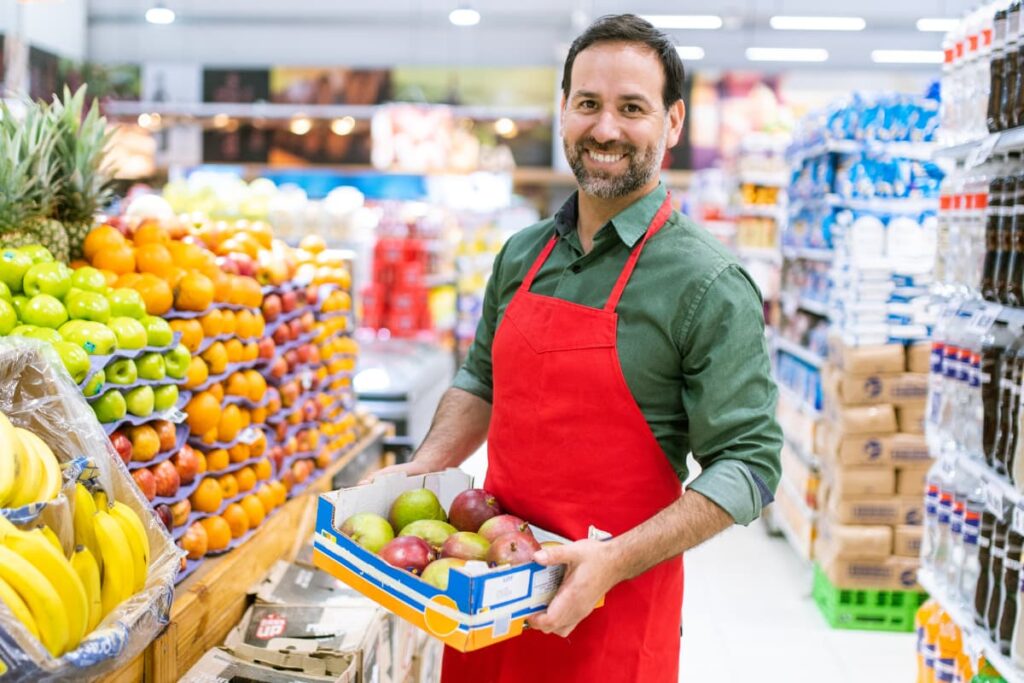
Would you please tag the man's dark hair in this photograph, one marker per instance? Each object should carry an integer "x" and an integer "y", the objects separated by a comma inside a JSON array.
[{"x": 629, "y": 28}]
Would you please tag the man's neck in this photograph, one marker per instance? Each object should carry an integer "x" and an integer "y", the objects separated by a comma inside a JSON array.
[{"x": 593, "y": 212}]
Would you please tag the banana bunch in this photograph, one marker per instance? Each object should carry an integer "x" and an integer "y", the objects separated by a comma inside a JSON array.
[
  {"x": 60, "y": 601},
  {"x": 29, "y": 471}
]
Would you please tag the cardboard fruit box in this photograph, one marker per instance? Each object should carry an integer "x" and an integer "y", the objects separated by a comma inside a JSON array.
[{"x": 481, "y": 606}]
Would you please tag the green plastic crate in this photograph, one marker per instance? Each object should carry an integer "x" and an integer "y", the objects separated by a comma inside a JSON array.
[{"x": 865, "y": 610}]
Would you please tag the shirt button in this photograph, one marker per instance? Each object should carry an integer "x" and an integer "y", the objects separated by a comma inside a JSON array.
[{"x": 576, "y": 269}]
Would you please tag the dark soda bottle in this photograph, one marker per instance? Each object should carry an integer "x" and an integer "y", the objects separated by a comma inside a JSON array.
[
  {"x": 994, "y": 119},
  {"x": 995, "y": 577},
  {"x": 1008, "y": 597},
  {"x": 993, "y": 220},
  {"x": 985, "y": 542},
  {"x": 1008, "y": 96}
]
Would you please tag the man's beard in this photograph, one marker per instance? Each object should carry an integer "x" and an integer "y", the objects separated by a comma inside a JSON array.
[{"x": 603, "y": 185}]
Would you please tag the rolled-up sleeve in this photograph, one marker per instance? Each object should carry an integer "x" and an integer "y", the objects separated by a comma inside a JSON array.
[
  {"x": 730, "y": 397},
  {"x": 475, "y": 375}
]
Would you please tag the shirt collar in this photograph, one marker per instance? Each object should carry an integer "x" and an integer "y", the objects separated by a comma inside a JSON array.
[{"x": 630, "y": 224}]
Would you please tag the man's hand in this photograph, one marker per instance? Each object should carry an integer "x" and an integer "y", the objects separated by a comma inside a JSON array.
[
  {"x": 590, "y": 572},
  {"x": 413, "y": 468}
]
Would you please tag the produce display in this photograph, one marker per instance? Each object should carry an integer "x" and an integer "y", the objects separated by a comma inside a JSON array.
[{"x": 421, "y": 538}]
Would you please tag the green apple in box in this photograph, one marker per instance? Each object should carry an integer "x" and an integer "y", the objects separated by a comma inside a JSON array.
[
  {"x": 89, "y": 279},
  {"x": 8, "y": 317},
  {"x": 95, "y": 384},
  {"x": 151, "y": 366},
  {"x": 140, "y": 401},
  {"x": 38, "y": 253},
  {"x": 75, "y": 359},
  {"x": 44, "y": 310},
  {"x": 130, "y": 332},
  {"x": 126, "y": 303},
  {"x": 158, "y": 331},
  {"x": 110, "y": 407},
  {"x": 165, "y": 397},
  {"x": 45, "y": 334},
  {"x": 177, "y": 361},
  {"x": 96, "y": 338},
  {"x": 83, "y": 304},
  {"x": 47, "y": 278},
  {"x": 13, "y": 266},
  {"x": 122, "y": 371}
]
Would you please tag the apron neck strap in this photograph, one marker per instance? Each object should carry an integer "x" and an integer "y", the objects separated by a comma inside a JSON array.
[
  {"x": 627, "y": 271},
  {"x": 656, "y": 223}
]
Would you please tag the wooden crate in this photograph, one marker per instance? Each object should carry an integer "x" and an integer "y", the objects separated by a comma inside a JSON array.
[{"x": 209, "y": 603}]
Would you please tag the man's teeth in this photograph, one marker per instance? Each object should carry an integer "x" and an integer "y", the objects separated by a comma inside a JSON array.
[{"x": 606, "y": 158}]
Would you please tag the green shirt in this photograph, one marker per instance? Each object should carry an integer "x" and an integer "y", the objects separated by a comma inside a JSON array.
[{"x": 690, "y": 341}]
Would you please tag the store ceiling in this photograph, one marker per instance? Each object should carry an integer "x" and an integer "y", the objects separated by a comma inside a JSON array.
[{"x": 384, "y": 32}]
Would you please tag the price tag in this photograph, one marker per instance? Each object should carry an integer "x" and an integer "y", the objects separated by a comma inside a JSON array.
[
  {"x": 176, "y": 415},
  {"x": 982, "y": 151},
  {"x": 994, "y": 499},
  {"x": 306, "y": 381},
  {"x": 984, "y": 318},
  {"x": 1017, "y": 523},
  {"x": 248, "y": 435}
]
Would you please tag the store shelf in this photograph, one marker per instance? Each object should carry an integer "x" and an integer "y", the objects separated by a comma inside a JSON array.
[
  {"x": 805, "y": 456},
  {"x": 884, "y": 205},
  {"x": 801, "y": 352},
  {"x": 760, "y": 254},
  {"x": 210, "y": 602},
  {"x": 808, "y": 254},
  {"x": 899, "y": 150},
  {"x": 803, "y": 406},
  {"x": 976, "y": 640},
  {"x": 773, "y": 211},
  {"x": 764, "y": 178},
  {"x": 1011, "y": 140}
]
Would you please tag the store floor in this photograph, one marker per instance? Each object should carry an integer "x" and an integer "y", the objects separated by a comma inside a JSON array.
[{"x": 748, "y": 616}]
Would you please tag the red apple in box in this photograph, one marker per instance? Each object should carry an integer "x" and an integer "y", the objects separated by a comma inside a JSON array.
[
  {"x": 308, "y": 321},
  {"x": 289, "y": 393},
  {"x": 289, "y": 300},
  {"x": 244, "y": 263},
  {"x": 280, "y": 431},
  {"x": 295, "y": 328},
  {"x": 146, "y": 482},
  {"x": 273, "y": 400},
  {"x": 312, "y": 295},
  {"x": 163, "y": 511},
  {"x": 276, "y": 454},
  {"x": 310, "y": 411},
  {"x": 271, "y": 307},
  {"x": 123, "y": 445},
  {"x": 267, "y": 348},
  {"x": 279, "y": 368},
  {"x": 314, "y": 355},
  {"x": 514, "y": 548},
  {"x": 303, "y": 353},
  {"x": 283, "y": 334},
  {"x": 291, "y": 357},
  {"x": 166, "y": 432},
  {"x": 187, "y": 464},
  {"x": 167, "y": 480},
  {"x": 410, "y": 553},
  {"x": 227, "y": 264}
]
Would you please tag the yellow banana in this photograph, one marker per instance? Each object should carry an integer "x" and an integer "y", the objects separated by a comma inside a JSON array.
[
  {"x": 41, "y": 598},
  {"x": 10, "y": 460},
  {"x": 10, "y": 597},
  {"x": 34, "y": 547},
  {"x": 51, "y": 536},
  {"x": 84, "y": 516},
  {"x": 49, "y": 486},
  {"x": 118, "y": 568},
  {"x": 137, "y": 540},
  {"x": 31, "y": 477},
  {"x": 88, "y": 572}
]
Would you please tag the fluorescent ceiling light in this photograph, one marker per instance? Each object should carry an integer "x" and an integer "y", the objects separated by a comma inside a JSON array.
[
  {"x": 786, "y": 54},
  {"x": 690, "y": 52},
  {"x": 906, "y": 56},
  {"x": 464, "y": 16},
  {"x": 817, "y": 23},
  {"x": 158, "y": 14},
  {"x": 685, "y": 21},
  {"x": 937, "y": 25}
]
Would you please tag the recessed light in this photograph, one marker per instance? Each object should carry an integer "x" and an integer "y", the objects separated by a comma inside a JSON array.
[
  {"x": 464, "y": 16},
  {"x": 783, "y": 23},
  {"x": 691, "y": 52},
  {"x": 937, "y": 24},
  {"x": 786, "y": 54},
  {"x": 158, "y": 14},
  {"x": 906, "y": 56}
]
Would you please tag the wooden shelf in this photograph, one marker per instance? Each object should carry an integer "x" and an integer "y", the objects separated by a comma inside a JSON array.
[{"x": 208, "y": 604}]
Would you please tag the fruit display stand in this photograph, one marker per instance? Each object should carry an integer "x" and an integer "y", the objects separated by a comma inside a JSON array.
[{"x": 211, "y": 601}]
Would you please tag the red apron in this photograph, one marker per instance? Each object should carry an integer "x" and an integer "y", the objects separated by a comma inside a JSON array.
[{"x": 568, "y": 448}]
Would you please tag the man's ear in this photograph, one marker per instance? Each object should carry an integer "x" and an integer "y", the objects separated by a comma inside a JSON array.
[
  {"x": 561, "y": 114},
  {"x": 676, "y": 117}
]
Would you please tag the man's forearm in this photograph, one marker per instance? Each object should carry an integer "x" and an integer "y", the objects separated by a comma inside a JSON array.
[
  {"x": 459, "y": 428},
  {"x": 685, "y": 524}
]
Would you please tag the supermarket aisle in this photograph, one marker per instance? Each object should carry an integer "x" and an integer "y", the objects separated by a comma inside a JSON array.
[{"x": 748, "y": 615}]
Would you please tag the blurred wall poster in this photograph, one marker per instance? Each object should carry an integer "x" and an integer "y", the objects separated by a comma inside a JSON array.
[
  {"x": 724, "y": 109},
  {"x": 43, "y": 77},
  {"x": 105, "y": 81},
  {"x": 236, "y": 142},
  {"x": 326, "y": 142}
]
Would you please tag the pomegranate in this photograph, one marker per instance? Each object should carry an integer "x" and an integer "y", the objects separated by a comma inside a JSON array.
[{"x": 472, "y": 508}]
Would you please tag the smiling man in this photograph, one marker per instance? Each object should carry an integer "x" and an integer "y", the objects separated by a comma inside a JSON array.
[{"x": 617, "y": 337}]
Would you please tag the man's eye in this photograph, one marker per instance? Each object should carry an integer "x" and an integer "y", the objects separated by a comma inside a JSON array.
[
  {"x": 588, "y": 104},
  {"x": 632, "y": 109}
]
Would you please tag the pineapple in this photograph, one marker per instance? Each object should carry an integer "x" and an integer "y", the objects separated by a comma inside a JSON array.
[
  {"x": 28, "y": 182},
  {"x": 85, "y": 181}
]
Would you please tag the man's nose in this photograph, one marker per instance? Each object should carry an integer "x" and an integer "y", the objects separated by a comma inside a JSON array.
[{"x": 606, "y": 129}]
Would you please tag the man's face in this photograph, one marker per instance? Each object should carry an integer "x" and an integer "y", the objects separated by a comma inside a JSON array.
[{"x": 614, "y": 125}]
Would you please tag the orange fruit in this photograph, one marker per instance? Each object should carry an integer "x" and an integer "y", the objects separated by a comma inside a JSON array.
[
  {"x": 209, "y": 438},
  {"x": 128, "y": 280},
  {"x": 218, "y": 391},
  {"x": 249, "y": 292},
  {"x": 207, "y": 497},
  {"x": 264, "y": 470},
  {"x": 245, "y": 322},
  {"x": 101, "y": 238},
  {"x": 250, "y": 351},
  {"x": 111, "y": 277},
  {"x": 267, "y": 496},
  {"x": 185, "y": 254},
  {"x": 246, "y": 479},
  {"x": 218, "y": 531},
  {"x": 203, "y": 412},
  {"x": 314, "y": 244},
  {"x": 198, "y": 373},
  {"x": 155, "y": 292},
  {"x": 195, "y": 541},
  {"x": 201, "y": 459},
  {"x": 191, "y": 333},
  {"x": 221, "y": 286},
  {"x": 230, "y": 322},
  {"x": 151, "y": 233},
  {"x": 259, "y": 415},
  {"x": 173, "y": 276},
  {"x": 230, "y": 424},
  {"x": 236, "y": 295},
  {"x": 234, "y": 350},
  {"x": 216, "y": 358},
  {"x": 240, "y": 452},
  {"x": 260, "y": 327},
  {"x": 213, "y": 323},
  {"x": 254, "y": 510},
  {"x": 238, "y": 384},
  {"x": 153, "y": 258},
  {"x": 228, "y": 485},
  {"x": 194, "y": 292},
  {"x": 280, "y": 492},
  {"x": 118, "y": 258},
  {"x": 237, "y": 519},
  {"x": 217, "y": 459},
  {"x": 257, "y": 385},
  {"x": 246, "y": 417}
]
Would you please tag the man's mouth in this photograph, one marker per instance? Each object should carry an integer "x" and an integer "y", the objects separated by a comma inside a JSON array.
[{"x": 604, "y": 158}]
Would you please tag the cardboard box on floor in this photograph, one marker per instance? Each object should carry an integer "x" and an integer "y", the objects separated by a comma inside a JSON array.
[
  {"x": 219, "y": 664},
  {"x": 850, "y": 541},
  {"x": 911, "y": 419},
  {"x": 875, "y": 510},
  {"x": 481, "y": 606},
  {"x": 880, "y": 419},
  {"x": 907, "y": 541},
  {"x": 324, "y": 640},
  {"x": 288, "y": 583},
  {"x": 850, "y": 483},
  {"x": 865, "y": 360},
  {"x": 919, "y": 358},
  {"x": 890, "y": 573},
  {"x": 883, "y": 450},
  {"x": 898, "y": 388},
  {"x": 910, "y": 481}
]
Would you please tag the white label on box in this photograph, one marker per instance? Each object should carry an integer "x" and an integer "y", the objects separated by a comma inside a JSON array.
[
  {"x": 546, "y": 582},
  {"x": 502, "y": 589},
  {"x": 502, "y": 622}
]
